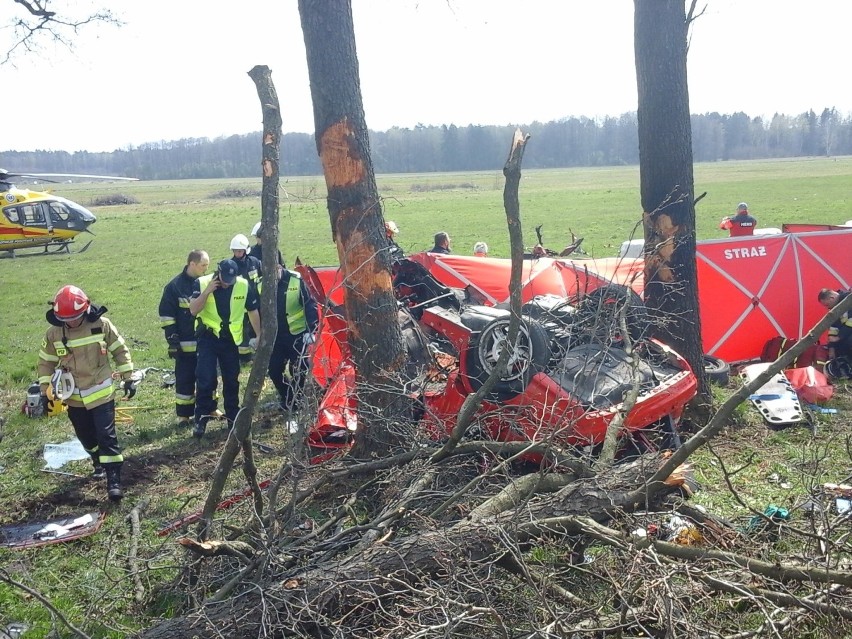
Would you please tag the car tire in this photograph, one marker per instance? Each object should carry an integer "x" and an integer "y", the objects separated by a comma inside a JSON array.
[
  {"x": 529, "y": 356},
  {"x": 717, "y": 370},
  {"x": 603, "y": 305}
]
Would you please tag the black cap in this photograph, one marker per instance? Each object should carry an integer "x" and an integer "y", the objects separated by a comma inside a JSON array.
[{"x": 228, "y": 271}]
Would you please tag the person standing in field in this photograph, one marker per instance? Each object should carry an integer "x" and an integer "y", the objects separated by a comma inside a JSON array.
[
  {"x": 249, "y": 268},
  {"x": 179, "y": 328},
  {"x": 480, "y": 249},
  {"x": 442, "y": 243},
  {"x": 256, "y": 251},
  {"x": 298, "y": 320},
  {"x": 76, "y": 353},
  {"x": 219, "y": 303},
  {"x": 740, "y": 224}
]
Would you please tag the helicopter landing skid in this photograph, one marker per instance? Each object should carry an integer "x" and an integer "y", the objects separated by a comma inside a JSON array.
[{"x": 49, "y": 249}]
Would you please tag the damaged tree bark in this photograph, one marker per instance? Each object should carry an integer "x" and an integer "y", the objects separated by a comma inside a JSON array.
[{"x": 357, "y": 225}]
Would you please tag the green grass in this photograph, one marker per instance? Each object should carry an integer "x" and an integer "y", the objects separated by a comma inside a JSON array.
[{"x": 139, "y": 247}]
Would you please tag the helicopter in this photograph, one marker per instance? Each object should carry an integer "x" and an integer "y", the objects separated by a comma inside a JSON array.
[{"x": 39, "y": 219}]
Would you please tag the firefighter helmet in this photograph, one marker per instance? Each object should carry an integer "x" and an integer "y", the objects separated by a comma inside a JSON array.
[
  {"x": 70, "y": 303},
  {"x": 239, "y": 243}
]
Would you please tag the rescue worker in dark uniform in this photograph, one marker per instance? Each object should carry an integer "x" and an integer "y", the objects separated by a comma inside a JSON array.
[
  {"x": 249, "y": 268},
  {"x": 179, "y": 327},
  {"x": 219, "y": 303},
  {"x": 297, "y": 323},
  {"x": 79, "y": 343},
  {"x": 442, "y": 243},
  {"x": 740, "y": 224},
  {"x": 839, "y": 365},
  {"x": 391, "y": 231},
  {"x": 256, "y": 251}
]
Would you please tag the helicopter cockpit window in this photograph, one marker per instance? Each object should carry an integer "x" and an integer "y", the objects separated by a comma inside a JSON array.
[
  {"x": 59, "y": 212},
  {"x": 12, "y": 214}
]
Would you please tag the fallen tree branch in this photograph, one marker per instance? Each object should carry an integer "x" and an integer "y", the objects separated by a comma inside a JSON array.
[
  {"x": 5, "y": 578},
  {"x": 133, "y": 564},
  {"x": 720, "y": 419},
  {"x": 216, "y": 548}
]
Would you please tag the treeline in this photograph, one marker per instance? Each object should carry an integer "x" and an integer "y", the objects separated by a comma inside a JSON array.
[{"x": 563, "y": 143}]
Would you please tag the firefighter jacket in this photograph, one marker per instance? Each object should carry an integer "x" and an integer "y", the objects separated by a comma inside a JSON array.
[
  {"x": 840, "y": 332},
  {"x": 177, "y": 322},
  {"x": 297, "y": 308},
  {"x": 249, "y": 268},
  {"x": 256, "y": 252},
  {"x": 84, "y": 352},
  {"x": 225, "y": 307}
]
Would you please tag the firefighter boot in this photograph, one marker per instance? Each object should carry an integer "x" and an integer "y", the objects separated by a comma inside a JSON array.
[
  {"x": 200, "y": 427},
  {"x": 98, "y": 471},
  {"x": 113, "y": 474}
]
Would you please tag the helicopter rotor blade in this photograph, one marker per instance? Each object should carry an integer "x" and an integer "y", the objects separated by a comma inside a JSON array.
[{"x": 5, "y": 175}]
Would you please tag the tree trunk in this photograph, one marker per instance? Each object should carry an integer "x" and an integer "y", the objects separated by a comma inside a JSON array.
[
  {"x": 665, "y": 165},
  {"x": 356, "y": 217}
]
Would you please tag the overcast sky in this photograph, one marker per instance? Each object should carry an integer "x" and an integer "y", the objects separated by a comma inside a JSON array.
[{"x": 178, "y": 69}]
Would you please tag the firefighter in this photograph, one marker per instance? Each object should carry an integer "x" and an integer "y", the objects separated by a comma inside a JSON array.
[
  {"x": 78, "y": 344},
  {"x": 297, "y": 323},
  {"x": 249, "y": 268},
  {"x": 179, "y": 328},
  {"x": 391, "y": 231},
  {"x": 256, "y": 251},
  {"x": 219, "y": 302},
  {"x": 839, "y": 363}
]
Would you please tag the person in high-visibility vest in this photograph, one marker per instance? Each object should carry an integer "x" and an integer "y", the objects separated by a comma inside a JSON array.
[
  {"x": 297, "y": 324},
  {"x": 219, "y": 302},
  {"x": 79, "y": 343}
]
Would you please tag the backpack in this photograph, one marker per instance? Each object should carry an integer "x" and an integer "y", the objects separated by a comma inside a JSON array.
[{"x": 814, "y": 355}]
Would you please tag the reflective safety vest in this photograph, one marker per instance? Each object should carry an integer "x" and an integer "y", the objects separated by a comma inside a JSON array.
[
  {"x": 293, "y": 304},
  {"x": 84, "y": 351},
  {"x": 209, "y": 316}
]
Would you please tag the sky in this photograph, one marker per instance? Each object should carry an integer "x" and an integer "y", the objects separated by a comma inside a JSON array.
[{"x": 179, "y": 69}]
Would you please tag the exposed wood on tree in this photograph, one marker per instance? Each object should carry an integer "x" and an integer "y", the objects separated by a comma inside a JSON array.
[{"x": 357, "y": 225}]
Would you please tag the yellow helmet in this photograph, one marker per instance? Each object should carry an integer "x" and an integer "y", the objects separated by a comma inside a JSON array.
[{"x": 55, "y": 406}]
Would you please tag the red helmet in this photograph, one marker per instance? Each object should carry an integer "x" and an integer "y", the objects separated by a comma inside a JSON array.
[{"x": 70, "y": 303}]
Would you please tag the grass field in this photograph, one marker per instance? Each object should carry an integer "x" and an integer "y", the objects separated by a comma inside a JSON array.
[{"x": 139, "y": 247}]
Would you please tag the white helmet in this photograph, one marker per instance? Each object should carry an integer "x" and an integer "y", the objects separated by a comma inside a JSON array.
[
  {"x": 239, "y": 243},
  {"x": 255, "y": 229}
]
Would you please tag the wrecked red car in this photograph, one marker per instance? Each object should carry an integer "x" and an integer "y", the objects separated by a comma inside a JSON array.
[{"x": 568, "y": 371}]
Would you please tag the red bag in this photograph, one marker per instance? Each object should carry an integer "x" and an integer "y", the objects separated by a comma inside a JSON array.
[
  {"x": 814, "y": 355},
  {"x": 810, "y": 384}
]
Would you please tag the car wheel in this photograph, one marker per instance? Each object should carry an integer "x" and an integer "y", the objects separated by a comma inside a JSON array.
[
  {"x": 527, "y": 356},
  {"x": 603, "y": 306},
  {"x": 717, "y": 370}
]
